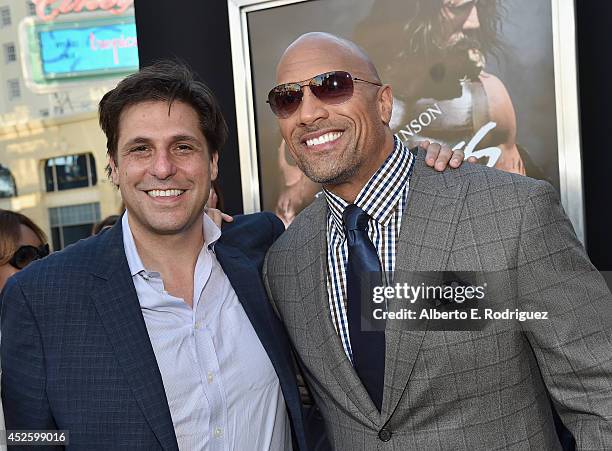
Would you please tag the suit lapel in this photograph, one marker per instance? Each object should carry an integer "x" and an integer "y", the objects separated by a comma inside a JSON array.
[
  {"x": 428, "y": 228},
  {"x": 312, "y": 279},
  {"x": 246, "y": 281},
  {"x": 117, "y": 304}
]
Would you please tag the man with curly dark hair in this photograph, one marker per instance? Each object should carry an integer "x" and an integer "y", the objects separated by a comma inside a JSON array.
[{"x": 435, "y": 63}]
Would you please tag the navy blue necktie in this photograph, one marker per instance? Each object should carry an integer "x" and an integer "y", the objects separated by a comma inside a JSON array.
[{"x": 368, "y": 347}]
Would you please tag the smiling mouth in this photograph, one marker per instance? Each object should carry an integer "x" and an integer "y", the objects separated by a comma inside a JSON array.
[
  {"x": 323, "y": 139},
  {"x": 165, "y": 192}
]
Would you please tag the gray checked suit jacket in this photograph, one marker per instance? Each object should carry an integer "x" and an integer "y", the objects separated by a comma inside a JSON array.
[{"x": 444, "y": 390}]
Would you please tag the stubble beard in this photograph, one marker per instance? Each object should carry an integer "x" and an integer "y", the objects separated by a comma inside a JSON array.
[{"x": 330, "y": 172}]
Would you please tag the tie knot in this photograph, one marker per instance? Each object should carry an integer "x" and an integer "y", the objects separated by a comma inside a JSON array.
[{"x": 355, "y": 218}]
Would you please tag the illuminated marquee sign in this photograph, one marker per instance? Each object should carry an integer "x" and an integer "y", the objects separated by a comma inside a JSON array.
[
  {"x": 62, "y": 52},
  {"x": 78, "y": 51}
]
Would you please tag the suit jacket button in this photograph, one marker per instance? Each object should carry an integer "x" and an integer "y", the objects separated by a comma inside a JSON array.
[{"x": 385, "y": 435}]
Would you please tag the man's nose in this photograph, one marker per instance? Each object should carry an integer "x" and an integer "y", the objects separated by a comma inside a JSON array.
[
  {"x": 311, "y": 108},
  {"x": 472, "y": 22},
  {"x": 162, "y": 165}
]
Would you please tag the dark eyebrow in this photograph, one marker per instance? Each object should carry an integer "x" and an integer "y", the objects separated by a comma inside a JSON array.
[
  {"x": 175, "y": 138},
  {"x": 137, "y": 140},
  {"x": 190, "y": 138}
]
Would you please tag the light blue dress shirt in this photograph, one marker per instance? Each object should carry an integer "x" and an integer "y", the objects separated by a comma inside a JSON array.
[{"x": 222, "y": 389}]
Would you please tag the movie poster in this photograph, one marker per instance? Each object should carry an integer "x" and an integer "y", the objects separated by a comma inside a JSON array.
[{"x": 474, "y": 74}]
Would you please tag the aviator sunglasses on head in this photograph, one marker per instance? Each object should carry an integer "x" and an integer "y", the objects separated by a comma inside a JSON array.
[
  {"x": 332, "y": 88},
  {"x": 27, "y": 254}
]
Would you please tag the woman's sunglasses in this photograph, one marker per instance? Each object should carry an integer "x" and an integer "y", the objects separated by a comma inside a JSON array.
[
  {"x": 332, "y": 88},
  {"x": 27, "y": 254}
]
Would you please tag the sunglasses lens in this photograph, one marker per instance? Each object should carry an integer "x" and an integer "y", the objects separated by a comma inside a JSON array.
[
  {"x": 25, "y": 255},
  {"x": 285, "y": 99},
  {"x": 333, "y": 87}
]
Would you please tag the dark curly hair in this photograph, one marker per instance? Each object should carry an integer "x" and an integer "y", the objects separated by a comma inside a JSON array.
[{"x": 411, "y": 28}]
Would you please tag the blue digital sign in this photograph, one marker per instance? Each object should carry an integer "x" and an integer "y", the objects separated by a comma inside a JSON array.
[{"x": 79, "y": 51}]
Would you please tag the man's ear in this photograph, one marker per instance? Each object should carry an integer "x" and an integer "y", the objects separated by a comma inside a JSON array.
[
  {"x": 114, "y": 171},
  {"x": 385, "y": 104},
  {"x": 214, "y": 167}
]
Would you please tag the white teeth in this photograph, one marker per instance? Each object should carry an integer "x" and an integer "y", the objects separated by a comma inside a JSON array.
[
  {"x": 327, "y": 137},
  {"x": 165, "y": 193}
]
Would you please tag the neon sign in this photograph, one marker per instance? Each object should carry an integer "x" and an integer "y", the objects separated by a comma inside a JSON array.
[
  {"x": 84, "y": 50},
  {"x": 114, "y": 44},
  {"x": 47, "y": 12}
]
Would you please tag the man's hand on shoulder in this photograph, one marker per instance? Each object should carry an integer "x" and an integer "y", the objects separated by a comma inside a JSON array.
[
  {"x": 218, "y": 216},
  {"x": 440, "y": 156}
]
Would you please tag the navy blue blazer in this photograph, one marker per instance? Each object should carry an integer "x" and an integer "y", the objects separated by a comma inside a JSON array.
[{"x": 76, "y": 353}]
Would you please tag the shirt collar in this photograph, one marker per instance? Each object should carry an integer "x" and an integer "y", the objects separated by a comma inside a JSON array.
[
  {"x": 133, "y": 259},
  {"x": 211, "y": 234},
  {"x": 380, "y": 195}
]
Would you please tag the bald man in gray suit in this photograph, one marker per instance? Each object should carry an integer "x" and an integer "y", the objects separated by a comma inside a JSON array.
[{"x": 481, "y": 389}]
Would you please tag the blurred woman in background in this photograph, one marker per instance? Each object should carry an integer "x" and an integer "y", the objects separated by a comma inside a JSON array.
[{"x": 21, "y": 242}]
